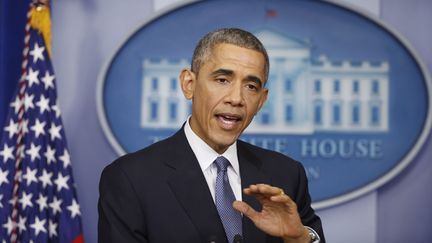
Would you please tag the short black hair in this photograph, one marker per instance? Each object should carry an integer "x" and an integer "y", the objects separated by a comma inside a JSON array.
[{"x": 232, "y": 36}]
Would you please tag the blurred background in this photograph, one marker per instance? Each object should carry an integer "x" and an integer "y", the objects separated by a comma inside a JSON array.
[{"x": 86, "y": 34}]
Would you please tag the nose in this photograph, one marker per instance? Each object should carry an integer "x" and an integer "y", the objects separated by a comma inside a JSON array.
[{"x": 235, "y": 95}]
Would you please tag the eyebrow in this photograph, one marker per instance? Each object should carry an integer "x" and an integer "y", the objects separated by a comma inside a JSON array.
[
  {"x": 228, "y": 72},
  {"x": 222, "y": 71}
]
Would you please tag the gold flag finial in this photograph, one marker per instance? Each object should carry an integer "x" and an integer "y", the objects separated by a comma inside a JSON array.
[{"x": 41, "y": 21}]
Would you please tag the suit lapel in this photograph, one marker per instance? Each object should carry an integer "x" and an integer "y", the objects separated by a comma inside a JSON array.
[
  {"x": 250, "y": 172},
  {"x": 190, "y": 188}
]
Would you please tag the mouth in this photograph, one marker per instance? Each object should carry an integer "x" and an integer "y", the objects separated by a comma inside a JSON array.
[{"x": 228, "y": 121}]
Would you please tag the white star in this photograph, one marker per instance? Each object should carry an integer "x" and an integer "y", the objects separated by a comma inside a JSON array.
[
  {"x": 43, "y": 104},
  {"x": 74, "y": 208},
  {"x": 25, "y": 200},
  {"x": 52, "y": 229},
  {"x": 38, "y": 128},
  {"x": 42, "y": 202},
  {"x": 33, "y": 151},
  {"x": 37, "y": 52},
  {"x": 16, "y": 104},
  {"x": 56, "y": 108},
  {"x": 30, "y": 176},
  {"x": 38, "y": 226},
  {"x": 10, "y": 225},
  {"x": 48, "y": 80},
  {"x": 61, "y": 182},
  {"x": 55, "y": 131},
  {"x": 28, "y": 101},
  {"x": 45, "y": 178},
  {"x": 3, "y": 176},
  {"x": 7, "y": 153},
  {"x": 55, "y": 205},
  {"x": 1, "y": 198},
  {"x": 50, "y": 155},
  {"x": 12, "y": 128},
  {"x": 65, "y": 158},
  {"x": 32, "y": 77},
  {"x": 22, "y": 224}
]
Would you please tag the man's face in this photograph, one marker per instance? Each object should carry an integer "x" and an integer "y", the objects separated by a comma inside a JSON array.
[{"x": 226, "y": 94}]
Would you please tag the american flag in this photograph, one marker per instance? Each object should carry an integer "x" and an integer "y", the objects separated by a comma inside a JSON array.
[{"x": 38, "y": 201}]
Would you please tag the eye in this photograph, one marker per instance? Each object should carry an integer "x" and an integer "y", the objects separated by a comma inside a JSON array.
[
  {"x": 222, "y": 80},
  {"x": 252, "y": 86}
]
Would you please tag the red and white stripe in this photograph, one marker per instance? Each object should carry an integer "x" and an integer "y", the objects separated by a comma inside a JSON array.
[{"x": 19, "y": 142}]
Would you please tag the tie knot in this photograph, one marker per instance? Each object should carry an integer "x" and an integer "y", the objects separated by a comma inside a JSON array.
[{"x": 222, "y": 163}]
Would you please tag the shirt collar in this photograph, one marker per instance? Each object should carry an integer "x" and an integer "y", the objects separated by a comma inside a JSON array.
[{"x": 205, "y": 154}]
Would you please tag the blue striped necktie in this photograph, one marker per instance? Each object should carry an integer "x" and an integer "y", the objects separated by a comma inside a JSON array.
[{"x": 224, "y": 197}]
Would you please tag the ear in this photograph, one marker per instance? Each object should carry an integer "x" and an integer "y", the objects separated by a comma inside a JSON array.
[
  {"x": 187, "y": 82},
  {"x": 263, "y": 98}
]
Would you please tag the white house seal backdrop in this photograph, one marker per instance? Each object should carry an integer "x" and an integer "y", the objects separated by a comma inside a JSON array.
[{"x": 344, "y": 89}]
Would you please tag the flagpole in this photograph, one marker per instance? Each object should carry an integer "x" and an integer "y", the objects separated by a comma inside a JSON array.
[{"x": 19, "y": 148}]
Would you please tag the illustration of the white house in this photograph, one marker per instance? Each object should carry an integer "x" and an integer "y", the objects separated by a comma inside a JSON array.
[{"x": 306, "y": 94}]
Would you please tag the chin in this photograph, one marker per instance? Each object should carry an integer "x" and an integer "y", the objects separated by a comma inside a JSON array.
[{"x": 227, "y": 141}]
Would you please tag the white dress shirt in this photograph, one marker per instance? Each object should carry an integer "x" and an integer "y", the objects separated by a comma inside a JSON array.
[{"x": 206, "y": 156}]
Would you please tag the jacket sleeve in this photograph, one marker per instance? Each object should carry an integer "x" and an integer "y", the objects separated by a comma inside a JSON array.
[
  {"x": 121, "y": 218},
  {"x": 303, "y": 201}
]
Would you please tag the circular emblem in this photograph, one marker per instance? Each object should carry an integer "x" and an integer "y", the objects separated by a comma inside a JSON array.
[{"x": 348, "y": 97}]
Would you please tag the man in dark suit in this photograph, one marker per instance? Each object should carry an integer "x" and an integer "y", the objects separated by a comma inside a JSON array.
[{"x": 171, "y": 190}]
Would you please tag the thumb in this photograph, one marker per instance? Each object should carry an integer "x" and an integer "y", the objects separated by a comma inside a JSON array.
[{"x": 245, "y": 209}]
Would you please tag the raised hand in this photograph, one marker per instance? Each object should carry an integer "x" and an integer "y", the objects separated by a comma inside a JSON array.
[{"x": 278, "y": 217}]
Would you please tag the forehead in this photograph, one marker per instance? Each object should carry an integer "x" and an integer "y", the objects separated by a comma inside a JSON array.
[{"x": 230, "y": 55}]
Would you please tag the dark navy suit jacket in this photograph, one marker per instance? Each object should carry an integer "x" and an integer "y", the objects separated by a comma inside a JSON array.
[{"x": 159, "y": 194}]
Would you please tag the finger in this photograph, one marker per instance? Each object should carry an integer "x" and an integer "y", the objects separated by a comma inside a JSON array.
[
  {"x": 245, "y": 209},
  {"x": 253, "y": 191},
  {"x": 263, "y": 193},
  {"x": 263, "y": 189},
  {"x": 270, "y": 190},
  {"x": 252, "y": 188},
  {"x": 281, "y": 198},
  {"x": 285, "y": 200}
]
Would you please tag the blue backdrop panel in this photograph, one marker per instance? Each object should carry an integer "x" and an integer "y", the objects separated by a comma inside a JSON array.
[{"x": 12, "y": 23}]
